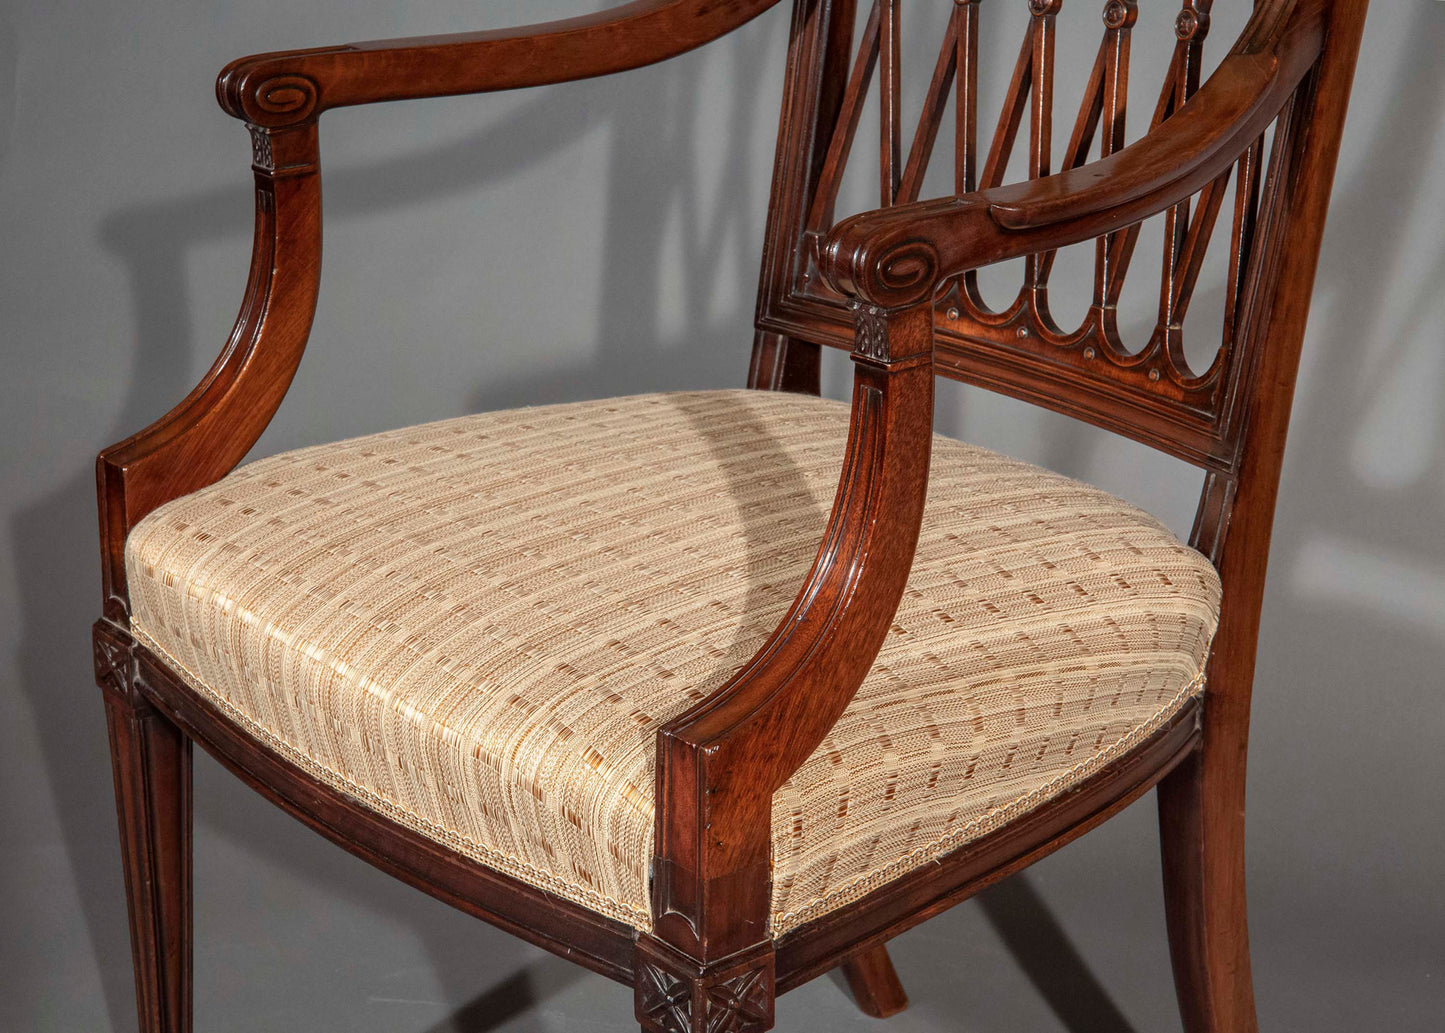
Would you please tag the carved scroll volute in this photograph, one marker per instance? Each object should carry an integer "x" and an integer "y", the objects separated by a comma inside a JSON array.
[
  {"x": 720, "y": 763},
  {"x": 253, "y": 90},
  {"x": 893, "y": 275}
]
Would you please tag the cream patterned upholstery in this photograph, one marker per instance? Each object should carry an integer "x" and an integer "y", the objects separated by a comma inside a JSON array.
[{"x": 477, "y": 626}]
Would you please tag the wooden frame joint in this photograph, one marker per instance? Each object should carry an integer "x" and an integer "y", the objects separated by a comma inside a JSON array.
[
  {"x": 284, "y": 152},
  {"x": 116, "y": 670},
  {"x": 892, "y": 340},
  {"x": 674, "y": 993}
]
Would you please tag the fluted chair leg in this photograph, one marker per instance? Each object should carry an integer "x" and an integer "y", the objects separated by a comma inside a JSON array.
[
  {"x": 1201, "y": 827},
  {"x": 875, "y": 984},
  {"x": 152, "y": 767}
]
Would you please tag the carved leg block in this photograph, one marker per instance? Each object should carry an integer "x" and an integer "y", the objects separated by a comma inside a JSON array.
[
  {"x": 675, "y": 994},
  {"x": 1201, "y": 830},
  {"x": 151, "y": 762},
  {"x": 875, "y": 984}
]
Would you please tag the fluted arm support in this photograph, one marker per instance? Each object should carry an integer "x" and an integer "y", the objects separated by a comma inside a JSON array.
[
  {"x": 212, "y": 429},
  {"x": 901, "y": 255},
  {"x": 720, "y": 763}
]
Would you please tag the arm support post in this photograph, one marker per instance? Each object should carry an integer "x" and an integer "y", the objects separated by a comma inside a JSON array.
[
  {"x": 212, "y": 429},
  {"x": 721, "y": 762}
]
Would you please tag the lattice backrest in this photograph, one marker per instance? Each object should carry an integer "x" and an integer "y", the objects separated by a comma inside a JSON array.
[{"x": 1145, "y": 388}]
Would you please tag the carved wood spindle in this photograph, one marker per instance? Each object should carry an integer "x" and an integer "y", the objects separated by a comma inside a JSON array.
[
  {"x": 1241, "y": 244},
  {"x": 1119, "y": 19},
  {"x": 820, "y": 213},
  {"x": 1189, "y": 263},
  {"x": 920, "y": 152},
  {"x": 1005, "y": 134},
  {"x": 1193, "y": 23},
  {"x": 890, "y": 99},
  {"x": 1091, "y": 109},
  {"x": 1010, "y": 118},
  {"x": 1191, "y": 26},
  {"x": 965, "y": 140},
  {"x": 1041, "y": 131}
]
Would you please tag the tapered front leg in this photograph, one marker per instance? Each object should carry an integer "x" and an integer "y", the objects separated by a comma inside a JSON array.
[{"x": 151, "y": 761}]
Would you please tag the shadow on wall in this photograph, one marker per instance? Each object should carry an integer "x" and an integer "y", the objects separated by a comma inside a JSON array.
[
  {"x": 652, "y": 168},
  {"x": 1359, "y": 601},
  {"x": 9, "y": 73},
  {"x": 1340, "y": 537}
]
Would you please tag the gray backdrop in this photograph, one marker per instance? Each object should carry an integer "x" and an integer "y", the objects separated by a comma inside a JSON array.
[{"x": 602, "y": 238}]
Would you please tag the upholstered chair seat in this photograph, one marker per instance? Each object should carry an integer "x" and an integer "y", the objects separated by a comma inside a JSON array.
[{"x": 478, "y": 626}]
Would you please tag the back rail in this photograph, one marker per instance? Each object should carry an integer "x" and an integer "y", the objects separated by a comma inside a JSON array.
[{"x": 1149, "y": 391}]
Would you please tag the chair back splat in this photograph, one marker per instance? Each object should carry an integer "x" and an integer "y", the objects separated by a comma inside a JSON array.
[{"x": 1257, "y": 105}]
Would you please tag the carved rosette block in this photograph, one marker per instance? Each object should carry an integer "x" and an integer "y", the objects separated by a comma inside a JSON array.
[
  {"x": 288, "y": 151},
  {"x": 115, "y": 666},
  {"x": 1193, "y": 21},
  {"x": 675, "y": 994},
  {"x": 1120, "y": 14}
]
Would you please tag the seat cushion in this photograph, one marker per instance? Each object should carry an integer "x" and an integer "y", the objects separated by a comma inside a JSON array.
[{"x": 477, "y": 627}]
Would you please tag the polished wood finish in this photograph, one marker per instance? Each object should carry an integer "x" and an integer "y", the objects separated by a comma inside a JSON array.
[
  {"x": 1202, "y": 806},
  {"x": 900, "y": 905},
  {"x": 720, "y": 763},
  {"x": 601, "y": 944},
  {"x": 595, "y": 941},
  {"x": 897, "y": 287},
  {"x": 213, "y": 427},
  {"x": 293, "y": 87},
  {"x": 901, "y": 253},
  {"x": 875, "y": 984},
  {"x": 151, "y": 761}
]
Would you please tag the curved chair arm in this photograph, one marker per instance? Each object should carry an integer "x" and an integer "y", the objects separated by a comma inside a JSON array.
[
  {"x": 280, "y": 95},
  {"x": 290, "y": 87},
  {"x": 720, "y": 763},
  {"x": 211, "y": 430},
  {"x": 900, "y": 256}
]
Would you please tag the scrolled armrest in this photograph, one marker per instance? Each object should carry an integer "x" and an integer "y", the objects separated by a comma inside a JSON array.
[
  {"x": 899, "y": 256},
  {"x": 290, "y": 87}
]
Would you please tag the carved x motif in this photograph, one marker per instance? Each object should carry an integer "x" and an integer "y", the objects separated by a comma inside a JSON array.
[
  {"x": 666, "y": 1000},
  {"x": 738, "y": 1005},
  {"x": 113, "y": 664}
]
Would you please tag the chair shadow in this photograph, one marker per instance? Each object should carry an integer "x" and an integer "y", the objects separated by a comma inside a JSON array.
[
  {"x": 52, "y": 540},
  {"x": 515, "y": 997},
  {"x": 651, "y": 162},
  {"x": 58, "y": 585},
  {"x": 1043, "y": 950}
]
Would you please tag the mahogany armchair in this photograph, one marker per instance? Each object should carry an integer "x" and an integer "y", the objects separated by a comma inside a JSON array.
[{"x": 506, "y": 658}]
